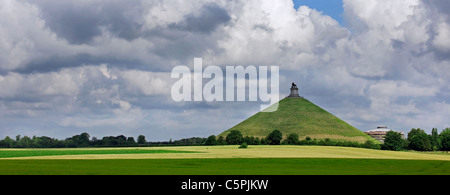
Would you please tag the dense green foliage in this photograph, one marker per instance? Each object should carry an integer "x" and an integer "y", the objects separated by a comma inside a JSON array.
[
  {"x": 417, "y": 140},
  {"x": 244, "y": 145},
  {"x": 83, "y": 140},
  {"x": 275, "y": 137},
  {"x": 141, "y": 140},
  {"x": 292, "y": 139},
  {"x": 234, "y": 138},
  {"x": 233, "y": 166},
  {"x": 393, "y": 141},
  {"x": 211, "y": 141},
  {"x": 53, "y": 152},
  {"x": 445, "y": 139}
]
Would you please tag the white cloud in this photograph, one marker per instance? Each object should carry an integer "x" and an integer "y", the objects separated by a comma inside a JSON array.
[
  {"x": 106, "y": 72},
  {"x": 25, "y": 38},
  {"x": 19, "y": 25},
  {"x": 146, "y": 83},
  {"x": 119, "y": 120},
  {"x": 62, "y": 83},
  {"x": 442, "y": 39},
  {"x": 273, "y": 33},
  {"x": 434, "y": 116},
  {"x": 393, "y": 89}
]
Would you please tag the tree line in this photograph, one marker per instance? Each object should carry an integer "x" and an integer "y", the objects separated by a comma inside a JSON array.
[
  {"x": 418, "y": 140},
  {"x": 235, "y": 137},
  {"x": 84, "y": 140}
]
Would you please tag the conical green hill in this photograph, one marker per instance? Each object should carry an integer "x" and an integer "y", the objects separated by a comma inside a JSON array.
[{"x": 298, "y": 115}]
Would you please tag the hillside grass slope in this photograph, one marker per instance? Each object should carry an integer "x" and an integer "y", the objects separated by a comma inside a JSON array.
[{"x": 298, "y": 115}]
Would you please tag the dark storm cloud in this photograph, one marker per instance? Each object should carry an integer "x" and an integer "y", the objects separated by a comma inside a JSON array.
[
  {"x": 56, "y": 63},
  {"x": 79, "y": 23},
  {"x": 442, "y": 6},
  {"x": 190, "y": 37},
  {"x": 438, "y": 12},
  {"x": 181, "y": 45},
  {"x": 211, "y": 15}
]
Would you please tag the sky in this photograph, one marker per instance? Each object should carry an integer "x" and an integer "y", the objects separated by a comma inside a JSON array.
[
  {"x": 104, "y": 67},
  {"x": 332, "y": 8}
]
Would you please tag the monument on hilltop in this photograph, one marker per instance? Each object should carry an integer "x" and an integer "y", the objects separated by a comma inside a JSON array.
[
  {"x": 296, "y": 114},
  {"x": 294, "y": 91}
]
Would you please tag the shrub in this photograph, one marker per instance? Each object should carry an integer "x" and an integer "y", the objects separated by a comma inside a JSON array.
[
  {"x": 243, "y": 145},
  {"x": 371, "y": 145}
]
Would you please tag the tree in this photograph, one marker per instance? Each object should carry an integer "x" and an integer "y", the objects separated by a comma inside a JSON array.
[
  {"x": 46, "y": 142},
  {"x": 7, "y": 142},
  {"x": 234, "y": 138},
  {"x": 84, "y": 139},
  {"x": 393, "y": 141},
  {"x": 435, "y": 141},
  {"x": 419, "y": 140},
  {"x": 414, "y": 132},
  {"x": 141, "y": 139},
  {"x": 81, "y": 140},
  {"x": 95, "y": 141},
  {"x": 221, "y": 141},
  {"x": 292, "y": 139},
  {"x": 445, "y": 139},
  {"x": 25, "y": 142},
  {"x": 264, "y": 141},
  {"x": 130, "y": 141},
  {"x": 211, "y": 141},
  {"x": 275, "y": 137},
  {"x": 250, "y": 140},
  {"x": 121, "y": 140}
]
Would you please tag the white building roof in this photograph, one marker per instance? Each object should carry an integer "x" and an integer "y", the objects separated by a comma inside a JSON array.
[{"x": 380, "y": 128}]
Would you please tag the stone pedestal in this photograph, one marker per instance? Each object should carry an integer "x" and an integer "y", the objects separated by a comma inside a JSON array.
[{"x": 294, "y": 91}]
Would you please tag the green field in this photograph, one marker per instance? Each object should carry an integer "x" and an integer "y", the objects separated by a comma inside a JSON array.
[
  {"x": 227, "y": 166},
  {"x": 222, "y": 160}
]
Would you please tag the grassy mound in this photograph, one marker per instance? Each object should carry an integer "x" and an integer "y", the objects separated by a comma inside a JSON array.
[{"x": 298, "y": 115}]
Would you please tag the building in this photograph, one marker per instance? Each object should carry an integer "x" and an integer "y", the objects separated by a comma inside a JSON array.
[{"x": 380, "y": 132}]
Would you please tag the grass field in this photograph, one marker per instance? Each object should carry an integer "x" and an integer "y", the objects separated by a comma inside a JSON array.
[
  {"x": 222, "y": 160},
  {"x": 226, "y": 166}
]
